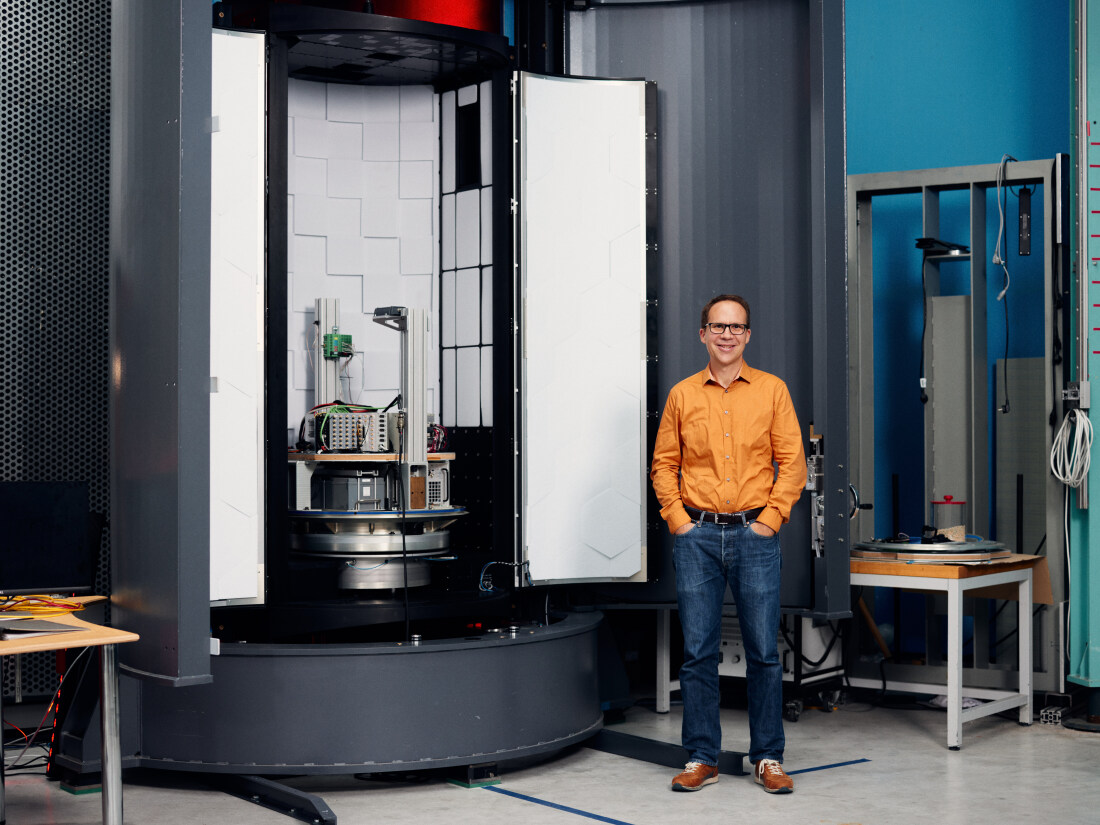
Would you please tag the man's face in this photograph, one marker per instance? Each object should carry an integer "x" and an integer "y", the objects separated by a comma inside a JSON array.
[{"x": 725, "y": 349}]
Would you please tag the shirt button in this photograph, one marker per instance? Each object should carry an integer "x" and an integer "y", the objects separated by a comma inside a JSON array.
[
  {"x": 727, "y": 501},
  {"x": 727, "y": 435},
  {"x": 727, "y": 412}
]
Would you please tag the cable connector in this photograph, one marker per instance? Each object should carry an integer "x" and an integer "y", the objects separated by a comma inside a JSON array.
[
  {"x": 1076, "y": 395},
  {"x": 401, "y": 421}
]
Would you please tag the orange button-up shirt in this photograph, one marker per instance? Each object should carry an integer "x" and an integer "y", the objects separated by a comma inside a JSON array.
[{"x": 715, "y": 448}]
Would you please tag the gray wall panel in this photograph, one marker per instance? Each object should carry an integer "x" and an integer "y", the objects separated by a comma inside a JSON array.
[
  {"x": 743, "y": 194},
  {"x": 160, "y": 295}
]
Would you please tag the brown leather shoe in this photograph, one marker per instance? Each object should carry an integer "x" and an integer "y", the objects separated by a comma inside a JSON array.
[
  {"x": 770, "y": 774},
  {"x": 695, "y": 776}
]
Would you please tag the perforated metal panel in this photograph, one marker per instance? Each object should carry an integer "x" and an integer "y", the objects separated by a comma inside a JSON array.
[{"x": 54, "y": 166}]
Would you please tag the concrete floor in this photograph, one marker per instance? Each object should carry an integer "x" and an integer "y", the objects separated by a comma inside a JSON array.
[{"x": 857, "y": 764}]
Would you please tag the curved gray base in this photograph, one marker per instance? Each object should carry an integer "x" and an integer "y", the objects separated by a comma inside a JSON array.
[{"x": 333, "y": 709}]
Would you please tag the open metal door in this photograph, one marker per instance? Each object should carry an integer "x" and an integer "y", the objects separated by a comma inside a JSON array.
[{"x": 581, "y": 260}]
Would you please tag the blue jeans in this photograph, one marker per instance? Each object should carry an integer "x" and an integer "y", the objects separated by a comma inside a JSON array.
[{"x": 707, "y": 557}]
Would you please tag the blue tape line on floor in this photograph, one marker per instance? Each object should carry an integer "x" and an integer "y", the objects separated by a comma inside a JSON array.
[
  {"x": 565, "y": 808},
  {"x": 826, "y": 767}
]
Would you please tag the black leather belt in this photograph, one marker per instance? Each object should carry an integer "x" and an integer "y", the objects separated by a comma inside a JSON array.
[{"x": 744, "y": 517}]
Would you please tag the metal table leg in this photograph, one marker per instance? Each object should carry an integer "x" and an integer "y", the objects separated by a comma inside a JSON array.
[
  {"x": 3, "y": 802},
  {"x": 1024, "y": 658},
  {"x": 663, "y": 703},
  {"x": 112, "y": 750},
  {"x": 954, "y": 664}
]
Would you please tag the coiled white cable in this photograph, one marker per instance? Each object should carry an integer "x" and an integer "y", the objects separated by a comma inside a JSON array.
[{"x": 1069, "y": 455}]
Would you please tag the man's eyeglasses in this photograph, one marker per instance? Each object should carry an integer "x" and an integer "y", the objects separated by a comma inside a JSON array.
[{"x": 736, "y": 329}]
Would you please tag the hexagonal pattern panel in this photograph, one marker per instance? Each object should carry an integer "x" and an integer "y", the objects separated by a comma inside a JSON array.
[{"x": 54, "y": 180}]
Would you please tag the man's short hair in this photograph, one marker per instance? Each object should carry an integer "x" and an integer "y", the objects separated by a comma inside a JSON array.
[{"x": 737, "y": 299}]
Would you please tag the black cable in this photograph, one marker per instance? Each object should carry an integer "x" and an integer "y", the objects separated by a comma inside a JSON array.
[
  {"x": 923, "y": 324},
  {"x": 828, "y": 647},
  {"x": 1004, "y": 362},
  {"x": 1004, "y": 299}
]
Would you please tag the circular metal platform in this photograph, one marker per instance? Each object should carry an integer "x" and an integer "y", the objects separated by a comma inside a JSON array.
[{"x": 346, "y": 708}]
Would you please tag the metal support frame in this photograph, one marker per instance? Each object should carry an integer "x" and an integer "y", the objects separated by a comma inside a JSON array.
[
  {"x": 955, "y": 588},
  {"x": 326, "y": 372},
  {"x": 665, "y": 683},
  {"x": 412, "y": 323},
  {"x": 1084, "y": 617},
  {"x": 930, "y": 183}
]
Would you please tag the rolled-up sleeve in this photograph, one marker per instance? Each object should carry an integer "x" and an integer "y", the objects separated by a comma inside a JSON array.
[
  {"x": 665, "y": 469},
  {"x": 789, "y": 455}
]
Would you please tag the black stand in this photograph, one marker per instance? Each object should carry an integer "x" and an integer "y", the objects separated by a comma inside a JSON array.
[
  {"x": 277, "y": 797},
  {"x": 731, "y": 763}
]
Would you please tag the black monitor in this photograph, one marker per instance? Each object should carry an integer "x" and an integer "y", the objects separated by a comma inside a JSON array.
[{"x": 49, "y": 541}]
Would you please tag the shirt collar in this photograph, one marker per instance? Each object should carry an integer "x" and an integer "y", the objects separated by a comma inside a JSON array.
[{"x": 746, "y": 374}]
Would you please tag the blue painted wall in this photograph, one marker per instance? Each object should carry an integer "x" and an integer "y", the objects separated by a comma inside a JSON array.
[{"x": 948, "y": 83}]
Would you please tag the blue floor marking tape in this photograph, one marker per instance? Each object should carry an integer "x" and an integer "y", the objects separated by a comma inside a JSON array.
[
  {"x": 567, "y": 809},
  {"x": 826, "y": 767}
]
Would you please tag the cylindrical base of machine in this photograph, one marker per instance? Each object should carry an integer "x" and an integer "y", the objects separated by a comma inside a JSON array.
[
  {"x": 343, "y": 709},
  {"x": 388, "y": 574}
]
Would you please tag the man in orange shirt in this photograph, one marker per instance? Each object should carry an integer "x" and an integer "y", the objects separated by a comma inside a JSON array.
[{"x": 723, "y": 433}]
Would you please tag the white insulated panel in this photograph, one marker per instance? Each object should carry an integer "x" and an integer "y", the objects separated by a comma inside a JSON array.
[
  {"x": 486, "y": 386},
  {"x": 345, "y": 177},
  {"x": 382, "y": 141},
  {"x": 380, "y": 218},
  {"x": 419, "y": 141},
  {"x": 468, "y": 386},
  {"x": 467, "y": 95},
  {"x": 344, "y": 256},
  {"x": 417, "y": 179},
  {"x": 416, "y": 291},
  {"x": 381, "y": 179},
  {"x": 487, "y": 305},
  {"x": 447, "y": 310},
  {"x": 447, "y": 142},
  {"x": 307, "y": 176},
  {"x": 417, "y": 256},
  {"x": 380, "y": 200},
  {"x": 415, "y": 217},
  {"x": 447, "y": 231},
  {"x": 382, "y": 256},
  {"x": 467, "y": 229},
  {"x": 236, "y": 317},
  {"x": 303, "y": 99},
  {"x": 382, "y": 104},
  {"x": 576, "y": 208},
  {"x": 317, "y": 215},
  {"x": 368, "y": 234},
  {"x": 449, "y": 401},
  {"x": 486, "y": 97},
  {"x": 486, "y": 224},
  {"x": 417, "y": 104},
  {"x": 310, "y": 137},
  {"x": 468, "y": 308},
  {"x": 307, "y": 257},
  {"x": 345, "y": 102}
]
